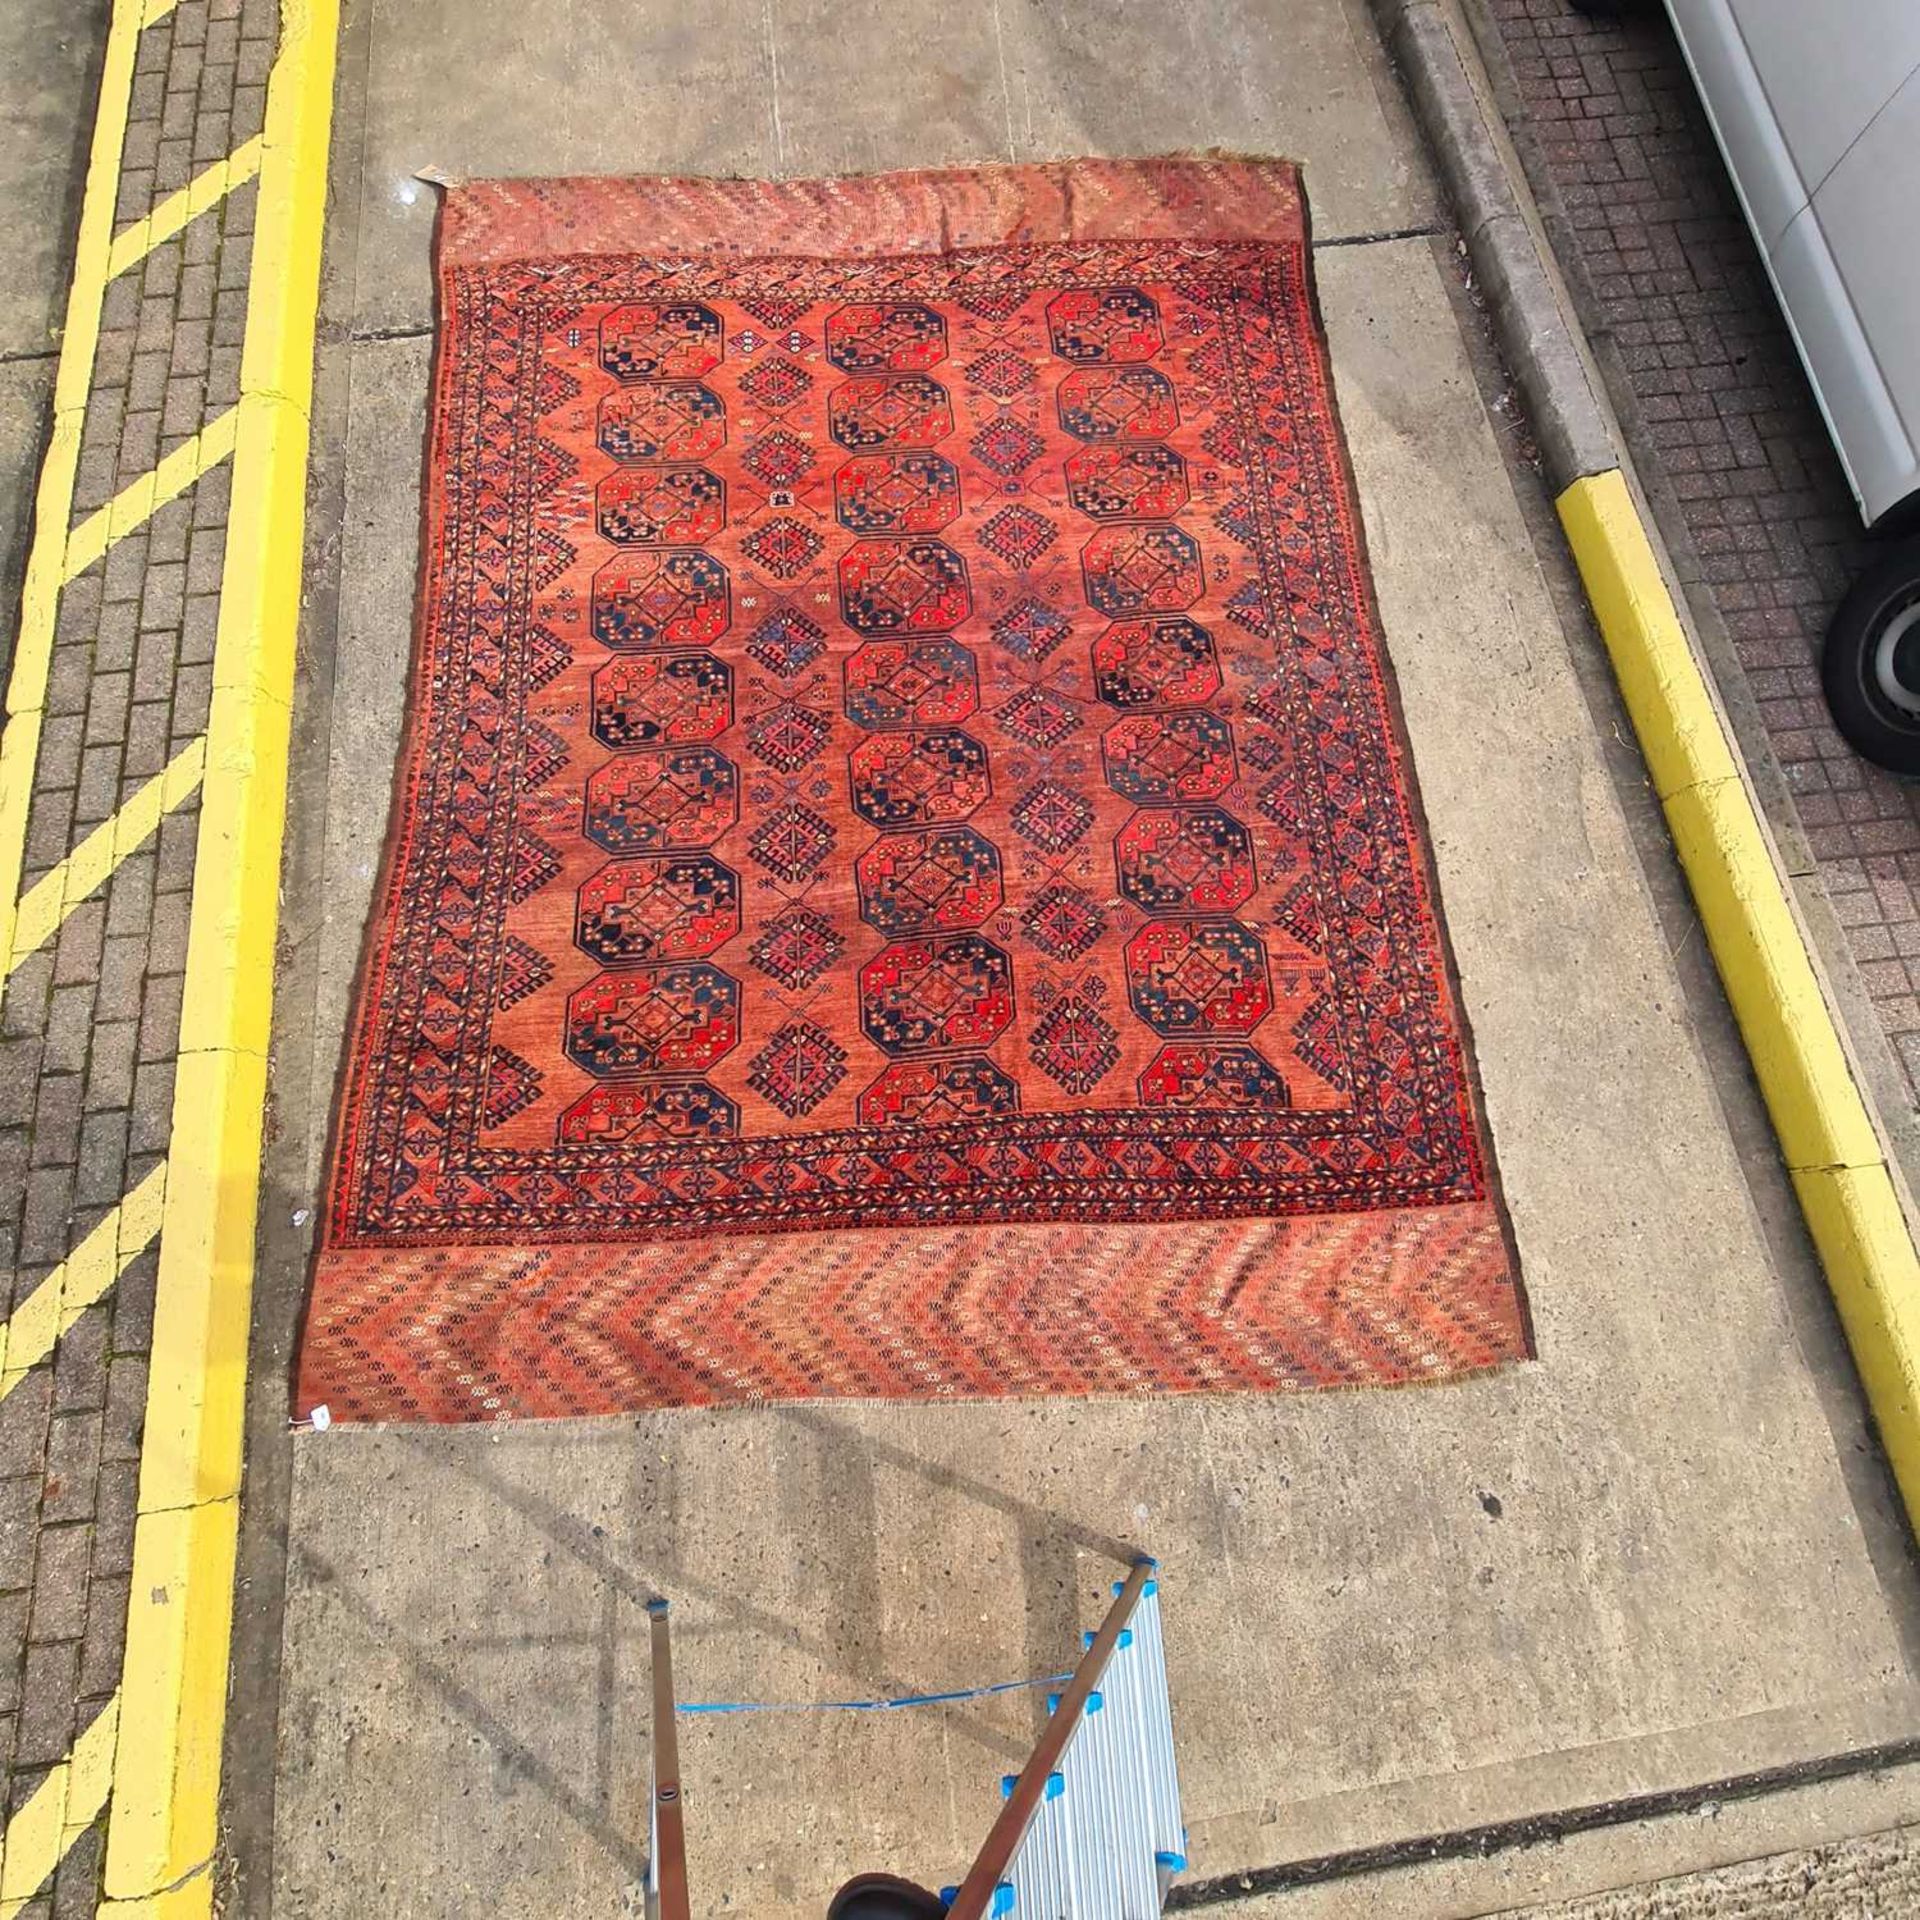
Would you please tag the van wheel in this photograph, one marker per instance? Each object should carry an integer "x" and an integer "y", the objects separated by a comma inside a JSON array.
[{"x": 1871, "y": 665}]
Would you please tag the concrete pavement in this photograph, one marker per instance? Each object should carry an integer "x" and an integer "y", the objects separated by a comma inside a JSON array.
[
  {"x": 1662, "y": 1554},
  {"x": 49, "y": 53}
]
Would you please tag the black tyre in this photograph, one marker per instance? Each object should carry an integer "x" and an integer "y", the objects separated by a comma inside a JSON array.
[
  {"x": 1870, "y": 668},
  {"x": 879, "y": 1896}
]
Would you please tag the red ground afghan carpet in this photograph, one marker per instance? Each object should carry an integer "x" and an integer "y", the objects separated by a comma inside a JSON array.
[{"x": 903, "y": 880}]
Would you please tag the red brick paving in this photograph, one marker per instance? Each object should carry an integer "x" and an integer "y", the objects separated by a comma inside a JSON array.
[{"x": 1673, "y": 278}]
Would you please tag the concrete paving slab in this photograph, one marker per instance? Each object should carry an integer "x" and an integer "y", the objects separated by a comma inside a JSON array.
[
  {"x": 387, "y": 383},
  {"x": 50, "y": 52},
  {"x": 1388, "y": 1614},
  {"x": 805, "y": 87}
]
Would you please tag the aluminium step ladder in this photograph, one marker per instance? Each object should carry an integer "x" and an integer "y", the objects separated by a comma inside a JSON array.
[
  {"x": 1095, "y": 1813},
  {"x": 1089, "y": 1829}
]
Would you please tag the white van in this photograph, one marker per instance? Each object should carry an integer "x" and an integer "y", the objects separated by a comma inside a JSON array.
[{"x": 1816, "y": 105}]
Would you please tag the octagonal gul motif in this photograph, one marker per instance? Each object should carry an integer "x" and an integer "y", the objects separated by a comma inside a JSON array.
[
  {"x": 892, "y": 684},
  {"x": 892, "y": 410},
  {"x": 1104, "y": 324},
  {"x": 903, "y": 587},
  {"x": 1169, "y": 661},
  {"x": 954, "y": 990},
  {"x": 1186, "y": 860},
  {"x": 919, "y": 779},
  {"x": 1117, "y": 403},
  {"x": 1199, "y": 1075},
  {"x": 896, "y": 493},
  {"x": 661, "y": 506},
  {"x": 674, "y": 1111},
  {"x": 928, "y": 882},
  {"x": 1166, "y": 759},
  {"x": 894, "y": 336},
  {"x": 667, "y": 420},
  {"x": 662, "y": 800},
  {"x": 1152, "y": 569},
  {"x": 1192, "y": 977},
  {"x": 935, "y": 1093},
  {"x": 670, "y": 906},
  {"x": 677, "y": 1018},
  {"x": 661, "y": 700},
  {"x": 1127, "y": 480},
  {"x": 678, "y": 341},
  {"x": 661, "y": 600}
]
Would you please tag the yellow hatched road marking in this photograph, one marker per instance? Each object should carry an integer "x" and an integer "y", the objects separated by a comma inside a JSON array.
[
  {"x": 80, "y": 1280},
  {"x": 46, "y": 904},
  {"x": 200, "y": 195},
  {"x": 136, "y": 504},
  {"x": 61, "y": 1808},
  {"x": 53, "y": 503}
]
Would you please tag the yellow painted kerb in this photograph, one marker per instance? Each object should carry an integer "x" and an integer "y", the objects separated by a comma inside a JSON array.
[
  {"x": 1832, "y": 1148},
  {"x": 163, "y": 1830}
]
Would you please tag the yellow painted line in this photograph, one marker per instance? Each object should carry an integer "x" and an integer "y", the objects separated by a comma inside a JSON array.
[
  {"x": 80, "y": 1280},
  {"x": 46, "y": 904},
  {"x": 162, "y": 1837},
  {"x": 1833, "y": 1150},
  {"x": 59, "y": 1810},
  {"x": 137, "y": 503},
  {"x": 157, "y": 10},
  {"x": 53, "y": 500},
  {"x": 200, "y": 195}
]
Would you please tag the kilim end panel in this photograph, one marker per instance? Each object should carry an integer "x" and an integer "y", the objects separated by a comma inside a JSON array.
[{"x": 903, "y": 880}]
